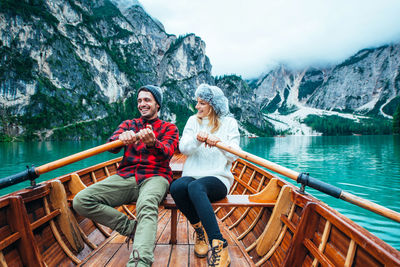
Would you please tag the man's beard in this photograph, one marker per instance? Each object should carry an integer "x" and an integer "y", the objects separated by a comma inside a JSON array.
[{"x": 149, "y": 115}]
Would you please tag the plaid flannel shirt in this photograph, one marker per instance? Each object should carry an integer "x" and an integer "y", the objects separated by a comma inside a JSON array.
[{"x": 144, "y": 162}]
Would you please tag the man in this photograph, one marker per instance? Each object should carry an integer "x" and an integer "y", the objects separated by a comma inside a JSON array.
[{"x": 143, "y": 176}]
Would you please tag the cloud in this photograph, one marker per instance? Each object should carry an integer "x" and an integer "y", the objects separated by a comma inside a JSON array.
[{"x": 248, "y": 37}]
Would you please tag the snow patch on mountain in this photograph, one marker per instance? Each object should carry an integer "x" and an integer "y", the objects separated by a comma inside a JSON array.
[{"x": 293, "y": 122}]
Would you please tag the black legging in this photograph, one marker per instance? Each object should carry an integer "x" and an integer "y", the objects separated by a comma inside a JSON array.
[{"x": 193, "y": 198}]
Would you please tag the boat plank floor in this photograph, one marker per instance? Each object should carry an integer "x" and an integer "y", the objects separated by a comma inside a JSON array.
[{"x": 114, "y": 251}]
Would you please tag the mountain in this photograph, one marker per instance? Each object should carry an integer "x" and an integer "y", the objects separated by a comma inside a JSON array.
[{"x": 71, "y": 69}]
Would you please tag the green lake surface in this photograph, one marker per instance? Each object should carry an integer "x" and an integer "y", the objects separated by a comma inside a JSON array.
[{"x": 366, "y": 166}]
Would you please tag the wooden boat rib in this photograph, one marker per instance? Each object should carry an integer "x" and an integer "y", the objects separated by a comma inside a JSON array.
[{"x": 38, "y": 227}]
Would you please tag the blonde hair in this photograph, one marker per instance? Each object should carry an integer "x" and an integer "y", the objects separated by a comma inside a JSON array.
[{"x": 213, "y": 118}]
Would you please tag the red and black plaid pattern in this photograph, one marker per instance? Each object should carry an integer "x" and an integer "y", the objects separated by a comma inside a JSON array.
[{"x": 144, "y": 162}]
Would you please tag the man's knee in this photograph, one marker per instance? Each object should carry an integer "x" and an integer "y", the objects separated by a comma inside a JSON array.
[
  {"x": 80, "y": 203},
  {"x": 150, "y": 203}
]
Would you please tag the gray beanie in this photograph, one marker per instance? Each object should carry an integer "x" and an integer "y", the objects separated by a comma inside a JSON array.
[
  {"x": 215, "y": 97},
  {"x": 155, "y": 91}
]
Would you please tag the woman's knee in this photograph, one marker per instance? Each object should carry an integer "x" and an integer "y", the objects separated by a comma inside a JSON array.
[
  {"x": 195, "y": 188},
  {"x": 178, "y": 189},
  {"x": 173, "y": 188}
]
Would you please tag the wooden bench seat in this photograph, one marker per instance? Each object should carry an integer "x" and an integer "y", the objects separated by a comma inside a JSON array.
[{"x": 228, "y": 201}]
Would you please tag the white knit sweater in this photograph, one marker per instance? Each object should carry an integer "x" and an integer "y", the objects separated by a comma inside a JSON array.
[{"x": 205, "y": 161}]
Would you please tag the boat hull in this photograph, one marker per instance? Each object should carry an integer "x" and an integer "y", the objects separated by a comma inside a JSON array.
[{"x": 297, "y": 230}]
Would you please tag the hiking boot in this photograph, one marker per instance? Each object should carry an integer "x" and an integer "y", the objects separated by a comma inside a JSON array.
[
  {"x": 219, "y": 254},
  {"x": 200, "y": 246}
]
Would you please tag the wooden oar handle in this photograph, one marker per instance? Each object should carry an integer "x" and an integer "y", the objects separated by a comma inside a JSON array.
[
  {"x": 366, "y": 204},
  {"x": 77, "y": 157}
]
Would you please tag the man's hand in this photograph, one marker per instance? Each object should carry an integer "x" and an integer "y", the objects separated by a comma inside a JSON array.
[
  {"x": 128, "y": 137},
  {"x": 147, "y": 136}
]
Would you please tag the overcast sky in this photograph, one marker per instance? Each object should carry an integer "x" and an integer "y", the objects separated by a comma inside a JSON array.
[{"x": 249, "y": 37}]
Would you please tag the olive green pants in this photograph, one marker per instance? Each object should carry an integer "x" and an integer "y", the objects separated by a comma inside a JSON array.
[{"x": 97, "y": 202}]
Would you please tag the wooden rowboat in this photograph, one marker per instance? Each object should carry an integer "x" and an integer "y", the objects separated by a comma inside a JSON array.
[{"x": 265, "y": 219}]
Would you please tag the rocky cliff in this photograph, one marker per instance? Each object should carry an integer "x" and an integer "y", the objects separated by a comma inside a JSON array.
[{"x": 366, "y": 83}]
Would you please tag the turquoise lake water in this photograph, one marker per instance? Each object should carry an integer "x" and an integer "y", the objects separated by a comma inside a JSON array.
[{"x": 366, "y": 166}]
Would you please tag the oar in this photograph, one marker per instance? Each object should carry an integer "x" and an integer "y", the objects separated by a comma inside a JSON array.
[
  {"x": 32, "y": 173},
  {"x": 307, "y": 180}
]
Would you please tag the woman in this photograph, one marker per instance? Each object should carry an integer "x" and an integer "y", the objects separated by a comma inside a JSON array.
[{"x": 206, "y": 175}]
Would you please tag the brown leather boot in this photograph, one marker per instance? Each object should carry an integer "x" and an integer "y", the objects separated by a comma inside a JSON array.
[
  {"x": 200, "y": 246},
  {"x": 219, "y": 254}
]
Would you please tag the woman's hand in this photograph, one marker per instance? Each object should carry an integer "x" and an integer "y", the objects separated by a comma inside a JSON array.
[
  {"x": 202, "y": 136},
  {"x": 212, "y": 140},
  {"x": 208, "y": 139}
]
